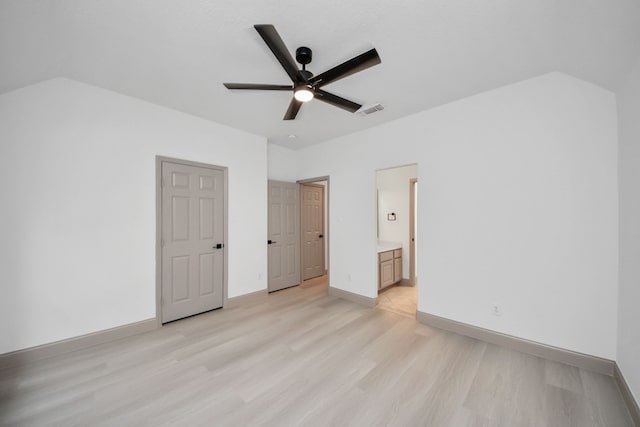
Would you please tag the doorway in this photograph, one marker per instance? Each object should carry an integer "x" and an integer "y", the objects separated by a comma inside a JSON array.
[
  {"x": 192, "y": 230},
  {"x": 317, "y": 214},
  {"x": 396, "y": 237},
  {"x": 298, "y": 225},
  {"x": 312, "y": 196},
  {"x": 283, "y": 238}
]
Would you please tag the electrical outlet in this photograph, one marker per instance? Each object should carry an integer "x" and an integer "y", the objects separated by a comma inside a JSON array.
[{"x": 496, "y": 310}]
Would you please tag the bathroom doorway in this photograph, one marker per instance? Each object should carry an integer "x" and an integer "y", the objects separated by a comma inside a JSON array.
[{"x": 396, "y": 238}]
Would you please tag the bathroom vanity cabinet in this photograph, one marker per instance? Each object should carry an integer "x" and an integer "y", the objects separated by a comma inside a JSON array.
[{"x": 389, "y": 267}]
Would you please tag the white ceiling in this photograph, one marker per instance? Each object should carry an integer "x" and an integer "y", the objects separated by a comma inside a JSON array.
[{"x": 178, "y": 53}]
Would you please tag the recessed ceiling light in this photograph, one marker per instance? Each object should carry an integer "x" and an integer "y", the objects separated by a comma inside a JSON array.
[{"x": 292, "y": 136}]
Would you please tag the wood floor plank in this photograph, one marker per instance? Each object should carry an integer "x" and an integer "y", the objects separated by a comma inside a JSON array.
[
  {"x": 300, "y": 357},
  {"x": 564, "y": 407},
  {"x": 563, "y": 376},
  {"x": 605, "y": 402}
]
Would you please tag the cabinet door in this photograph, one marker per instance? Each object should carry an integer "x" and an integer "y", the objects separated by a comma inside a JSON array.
[
  {"x": 386, "y": 273},
  {"x": 397, "y": 270}
]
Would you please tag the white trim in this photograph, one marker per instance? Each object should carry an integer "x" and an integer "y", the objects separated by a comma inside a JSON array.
[
  {"x": 81, "y": 342},
  {"x": 241, "y": 299},
  {"x": 580, "y": 360},
  {"x": 350, "y": 296},
  {"x": 627, "y": 395}
]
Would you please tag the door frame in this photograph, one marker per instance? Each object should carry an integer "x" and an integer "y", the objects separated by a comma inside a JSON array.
[
  {"x": 327, "y": 234},
  {"x": 412, "y": 231},
  {"x": 225, "y": 261}
]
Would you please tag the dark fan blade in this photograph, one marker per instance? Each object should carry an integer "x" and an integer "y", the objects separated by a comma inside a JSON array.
[
  {"x": 277, "y": 46},
  {"x": 256, "y": 86},
  {"x": 359, "y": 63},
  {"x": 332, "y": 99},
  {"x": 293, "y": 109}
]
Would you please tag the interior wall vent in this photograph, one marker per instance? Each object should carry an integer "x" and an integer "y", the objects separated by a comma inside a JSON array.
[{"x": 365, "y": 111}]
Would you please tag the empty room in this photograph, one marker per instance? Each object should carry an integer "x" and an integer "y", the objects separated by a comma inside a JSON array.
[{"x": 418, "y": 213}]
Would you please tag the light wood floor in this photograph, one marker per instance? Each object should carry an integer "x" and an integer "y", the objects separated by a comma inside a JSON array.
[
  {"x": 299, "y": 357},
  {"x": 399, "y": 299}
]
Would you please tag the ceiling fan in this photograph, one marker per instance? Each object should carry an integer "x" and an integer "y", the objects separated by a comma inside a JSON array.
[{"x": 305, "y": 85}]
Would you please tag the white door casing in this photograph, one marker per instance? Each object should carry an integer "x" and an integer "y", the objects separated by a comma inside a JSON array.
[{"x": 413, "y": 232}]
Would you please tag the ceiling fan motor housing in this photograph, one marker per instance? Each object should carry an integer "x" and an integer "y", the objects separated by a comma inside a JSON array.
[{"x": 303, "y": 55}]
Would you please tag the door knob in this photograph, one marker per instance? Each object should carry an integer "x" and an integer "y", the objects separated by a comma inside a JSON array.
[
  {"x": 320, "y": 236},
  {"x": 219, "y": 246},
  {"x": 271, "y": 242}
]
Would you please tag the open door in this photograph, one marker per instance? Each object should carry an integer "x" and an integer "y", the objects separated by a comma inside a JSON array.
[
  {"x": 312, "y": 231},
  {"x": 283, "y": 235}
]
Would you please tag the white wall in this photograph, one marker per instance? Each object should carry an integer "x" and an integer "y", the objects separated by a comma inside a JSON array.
[
  {"x": 393, "y": 196},
  {"x": 282, "y": 163},
  {"x": 77, "y": 253},
  {"x": 629, "y": 181},
  {"x": 517, "y": 204}
]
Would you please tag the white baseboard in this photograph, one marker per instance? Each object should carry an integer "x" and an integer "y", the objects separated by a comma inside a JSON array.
[
  {"x": 580, "y": 360},
  {"x": 350, "y": 296},
  {"x": 240, "y": 299},
  {"x": 76, "y": 343},
  {"x": 627, "y": 395}
]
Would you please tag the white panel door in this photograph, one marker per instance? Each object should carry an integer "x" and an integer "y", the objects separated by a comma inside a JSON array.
[
  {"x": 312, "y": 231},
  {"x": 192, "y": 240},
  {"x": 283, "y": 237}
]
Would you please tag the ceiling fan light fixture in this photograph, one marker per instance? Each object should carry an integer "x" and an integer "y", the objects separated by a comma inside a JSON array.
[
  {"x": 306, "y": 86},
  {"x": 303, "y": 93}
]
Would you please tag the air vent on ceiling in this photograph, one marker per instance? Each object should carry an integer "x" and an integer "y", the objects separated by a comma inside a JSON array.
[{"x": 365, "y": 111}]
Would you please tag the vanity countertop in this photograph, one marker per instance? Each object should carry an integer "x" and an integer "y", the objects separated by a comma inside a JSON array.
[{"x": 388, "y": 246}]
